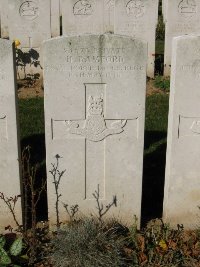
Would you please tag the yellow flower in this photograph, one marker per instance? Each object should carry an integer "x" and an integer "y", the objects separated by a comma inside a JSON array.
[
  {"x": 17, "y": 43},
  {"x": 162, "y": 244}
]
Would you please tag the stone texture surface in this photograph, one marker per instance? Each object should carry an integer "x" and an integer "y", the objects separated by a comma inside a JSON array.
[
  {"x": 55, "y": 18},
  {"x": 87, "y": 16},
  {"x": 29, "y": 21},
  {"x": 4, "y": 18},
  {"x": 9, "y": 155},
  {"x": 138, "y": 18},
  {"x": 94, "y": 120},
  {"x": 182, "y": 181},
  {"x": 181, "y": 17}
]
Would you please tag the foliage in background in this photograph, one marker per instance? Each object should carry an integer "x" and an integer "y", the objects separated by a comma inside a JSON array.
[
  {"x": 10, "y": 248},
  {"x": 25, "y": 59}
]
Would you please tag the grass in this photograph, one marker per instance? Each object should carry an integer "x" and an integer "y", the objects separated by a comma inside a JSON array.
[
  {"x": 156, "y": 121},
  {"x": 31, "y": 115}
]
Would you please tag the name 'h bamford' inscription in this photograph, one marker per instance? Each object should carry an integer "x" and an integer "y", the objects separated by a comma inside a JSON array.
[{"x": 91, "y": 62}]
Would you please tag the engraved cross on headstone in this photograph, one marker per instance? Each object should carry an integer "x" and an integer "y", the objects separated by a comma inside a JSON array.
[{"x": 95, "y": 129}]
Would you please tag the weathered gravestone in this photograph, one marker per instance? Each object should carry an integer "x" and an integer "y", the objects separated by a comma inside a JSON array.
[
  {"x": 29, "y": 22},
  {"x": 94, "y": 116},
  {"x": 9, "y": 155},
  {"x": 181, "y": 17},
  {"x": 182, "y": 181},
  {"x": 87, "y": 16},
  {"x": 138, "y": 18}
]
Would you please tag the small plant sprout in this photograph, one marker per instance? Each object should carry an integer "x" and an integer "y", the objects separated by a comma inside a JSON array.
[
  {"x": 57, "y": 175},
  {"x": 71, "y": 211},
  {"x": 11, "y": 203},
  {"x": 100, "y": 207}
]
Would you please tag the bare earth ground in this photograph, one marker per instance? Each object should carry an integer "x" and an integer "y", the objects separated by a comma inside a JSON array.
[{"x": 26, "y": 90}]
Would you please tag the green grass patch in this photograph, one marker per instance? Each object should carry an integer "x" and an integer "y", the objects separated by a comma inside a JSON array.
[
  {"x": 31, "y": 115},
  {"x": 162, "y": 82},
  {"x": 156, "y": 121},
  {"x": 160, "y": 46}
]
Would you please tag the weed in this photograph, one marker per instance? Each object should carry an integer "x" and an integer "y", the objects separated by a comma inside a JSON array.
[
  {"x": 100, "y": 207},
  {"x": 57, "y": 175},
  {"x": 87, "y": 244},
  {"x": 162, "y": 83}
]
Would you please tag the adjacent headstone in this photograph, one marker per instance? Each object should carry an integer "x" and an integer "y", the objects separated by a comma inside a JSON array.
[
  {"x": 87, "y": 16},
  {"x": 29, "y": 22},
  {"x": 55, "y": 18},
  {"x": 138, "y": 18},
  {"x": 182, "y": 17},
  {"x": 94, "y": 119},
  {"x": 9, "y": 150},
  {"x": 4, "y": 19},
  {"x": 182, "y": 181}
]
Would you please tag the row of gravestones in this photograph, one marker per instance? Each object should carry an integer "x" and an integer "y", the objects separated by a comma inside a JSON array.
[
  {"x": 94, "y": 120},
  {"x": 38, "y": 20},
  {"x": 34, "y": 21}
]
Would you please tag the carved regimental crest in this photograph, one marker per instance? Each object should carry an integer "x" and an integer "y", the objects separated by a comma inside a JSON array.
[
  {"x": 95, "y": 128},
  {"x": 29, "y": 10},
  {"x": 83, "y": 7},
  {"x": 187, "y": 7},
  {"x": 135, "y": 8}
]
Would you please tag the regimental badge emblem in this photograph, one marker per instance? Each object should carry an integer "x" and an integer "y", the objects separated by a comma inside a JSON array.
[
  {"x": 135, "y": 8},
  {"x": 83, "y": 7},
  {"x": 95, "y": 128},
  {"x": 187, "y": 7},
  {"x": 29, "y": 10}
]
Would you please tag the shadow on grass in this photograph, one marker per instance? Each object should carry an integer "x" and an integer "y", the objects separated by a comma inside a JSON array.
[
  {"x": 37, "y": 144},
  {"x": 153, "y": 177}
]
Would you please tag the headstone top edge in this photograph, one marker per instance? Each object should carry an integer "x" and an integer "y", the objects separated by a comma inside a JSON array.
[
  {"x": 6, "y": 41},
  {"x": 187, "y": 37},
  {"x": 65, "y": 37}
]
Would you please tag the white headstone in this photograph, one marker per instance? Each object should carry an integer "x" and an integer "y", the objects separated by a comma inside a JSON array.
[
  {"x": 4, "y": 19},
  {"x": 182, "y": 181},
  {"x": 9, "y": 155},
  {"x": 94, "y": 119},
  {"x": 55, "y": 18},
  {"x": 87, "y": 16},
  {"x": 29, "y": 22},
  {"x": 182, "y": 17},
  {"x": 138, "y": 18}
]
